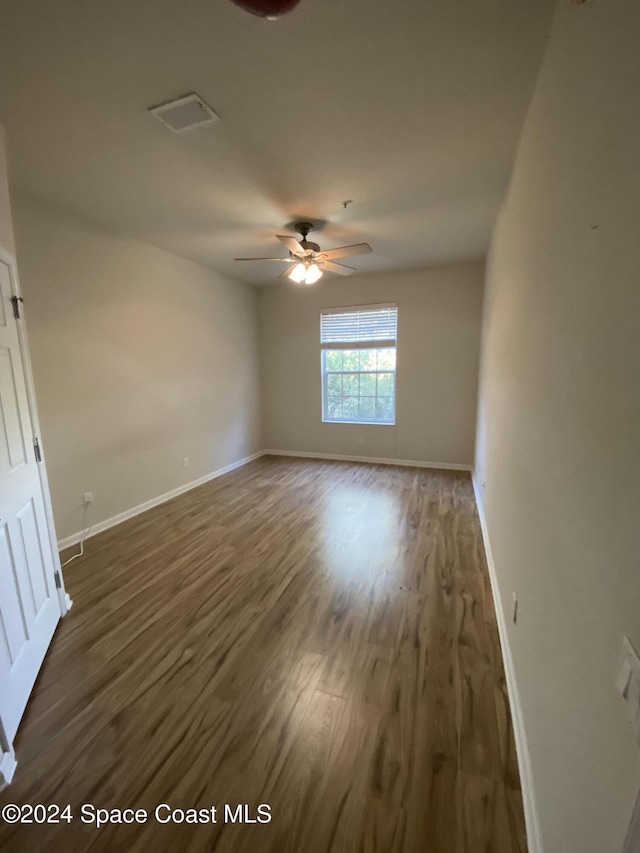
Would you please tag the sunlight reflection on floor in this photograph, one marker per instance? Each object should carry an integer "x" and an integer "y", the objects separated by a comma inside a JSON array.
[{"x": 353, "y": 516}]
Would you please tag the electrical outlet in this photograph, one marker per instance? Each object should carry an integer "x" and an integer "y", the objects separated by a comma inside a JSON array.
[
  {"x": 185, "y": 462},
  {"x": 360, "y": 439},
  {"x": 514, "y": 612},
  {"x": 87, "y": 498}
]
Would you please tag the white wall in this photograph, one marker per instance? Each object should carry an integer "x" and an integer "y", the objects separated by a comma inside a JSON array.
[
  {"x": 439, "y": 314},
  {"x": 140, "y": 358},
  {"x": 559, "y": 420}
]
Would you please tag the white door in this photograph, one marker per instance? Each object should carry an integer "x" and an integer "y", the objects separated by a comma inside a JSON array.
[{"x": 29, "y": 604}]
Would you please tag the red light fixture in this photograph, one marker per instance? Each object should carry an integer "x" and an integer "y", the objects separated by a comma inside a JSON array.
[{"x": 269, "y": 9}]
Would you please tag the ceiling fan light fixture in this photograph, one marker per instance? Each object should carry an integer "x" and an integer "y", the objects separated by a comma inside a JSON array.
[
  {"x": 298, "y": 273},
  {"x": 305, "y": 273},
  {"x": 314, "y": 273}
]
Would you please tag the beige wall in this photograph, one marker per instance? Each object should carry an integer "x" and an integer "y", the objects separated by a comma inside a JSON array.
[
  {"x": 559, "y": 420},
  {"x": 6, "y": 226},
  {"x": 439, "y": 314},
  {"x": 140, "y": 358}
]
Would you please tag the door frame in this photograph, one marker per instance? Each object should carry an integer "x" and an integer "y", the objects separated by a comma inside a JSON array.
[{"x": 7, "y": 755}]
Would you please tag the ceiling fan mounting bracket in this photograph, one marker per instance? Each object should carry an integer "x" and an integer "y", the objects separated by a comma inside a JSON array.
[{"x": 304, "y": 228}]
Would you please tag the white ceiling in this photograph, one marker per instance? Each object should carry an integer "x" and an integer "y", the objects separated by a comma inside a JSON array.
[{"x": 411, "y": 109}]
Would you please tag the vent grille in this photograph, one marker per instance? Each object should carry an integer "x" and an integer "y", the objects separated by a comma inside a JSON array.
[{"x": 185, "y": 113}]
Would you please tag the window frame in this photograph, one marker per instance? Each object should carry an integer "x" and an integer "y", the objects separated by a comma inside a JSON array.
[{"x": 351, "y": 346}]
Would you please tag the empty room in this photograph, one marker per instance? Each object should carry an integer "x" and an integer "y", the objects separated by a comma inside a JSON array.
[{"x": 320, "y": 412}]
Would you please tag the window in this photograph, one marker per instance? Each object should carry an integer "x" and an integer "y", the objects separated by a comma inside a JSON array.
[{"x": 359, "y": 364}]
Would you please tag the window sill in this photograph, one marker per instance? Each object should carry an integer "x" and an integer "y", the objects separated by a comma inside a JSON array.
[{"x": 359, "y": 423}]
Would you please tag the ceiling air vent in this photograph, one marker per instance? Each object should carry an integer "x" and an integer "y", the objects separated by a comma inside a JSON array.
[{"x": 185, "y": 113}]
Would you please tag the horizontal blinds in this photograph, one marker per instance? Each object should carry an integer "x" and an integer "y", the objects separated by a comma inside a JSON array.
[{"x": 357, "y": 328}]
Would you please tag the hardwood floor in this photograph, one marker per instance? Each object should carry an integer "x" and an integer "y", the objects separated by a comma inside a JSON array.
[{"x": 315, "y": 636}]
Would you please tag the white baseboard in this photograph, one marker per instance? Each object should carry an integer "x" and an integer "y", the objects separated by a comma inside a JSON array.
[
  {"x": 407, "y": 463},
  {"x": 8, "y": 766},
  {"x": 143, "y": 507},
  {"x": 101, "y": 526},
  {"x": 524, "y": 761}
]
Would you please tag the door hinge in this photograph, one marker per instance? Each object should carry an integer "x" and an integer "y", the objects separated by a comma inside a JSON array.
[
  {"x": 58, "y": 580},
  {"x": 15, "y": 301},
  {"x": 38, "y": 452}
]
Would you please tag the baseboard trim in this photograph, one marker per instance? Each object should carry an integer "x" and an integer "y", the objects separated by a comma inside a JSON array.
[
  {"x": 101, "y": 526},
  {"x": 8, "y": 766},
  {"x": 522, "y": 748},
  {"x": 337, "y": 457}
]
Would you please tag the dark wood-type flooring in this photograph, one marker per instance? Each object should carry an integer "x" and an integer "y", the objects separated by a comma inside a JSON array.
[{"x": 316, "y": 636}]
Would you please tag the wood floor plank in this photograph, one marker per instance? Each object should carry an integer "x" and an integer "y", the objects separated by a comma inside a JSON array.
[
  {"x": 383, "y": 828},
  {"x": 315, "y": 636}
]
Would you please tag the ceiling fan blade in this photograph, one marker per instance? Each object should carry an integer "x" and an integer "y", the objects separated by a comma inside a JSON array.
[
  {"x": 345, "y": 251},
  {"x": 281, "y": 260},
  {"x": 286, "y": 273},
  {"x": 292, "y": 244},
  {"x": 340, "y": 269}
]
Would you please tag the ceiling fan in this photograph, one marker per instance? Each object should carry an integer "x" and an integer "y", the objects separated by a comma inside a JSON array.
[{"x": 307, "y": 262}]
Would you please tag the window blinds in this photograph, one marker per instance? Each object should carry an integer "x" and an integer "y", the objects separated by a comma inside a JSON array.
[{"x": 359, "y": 328}]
